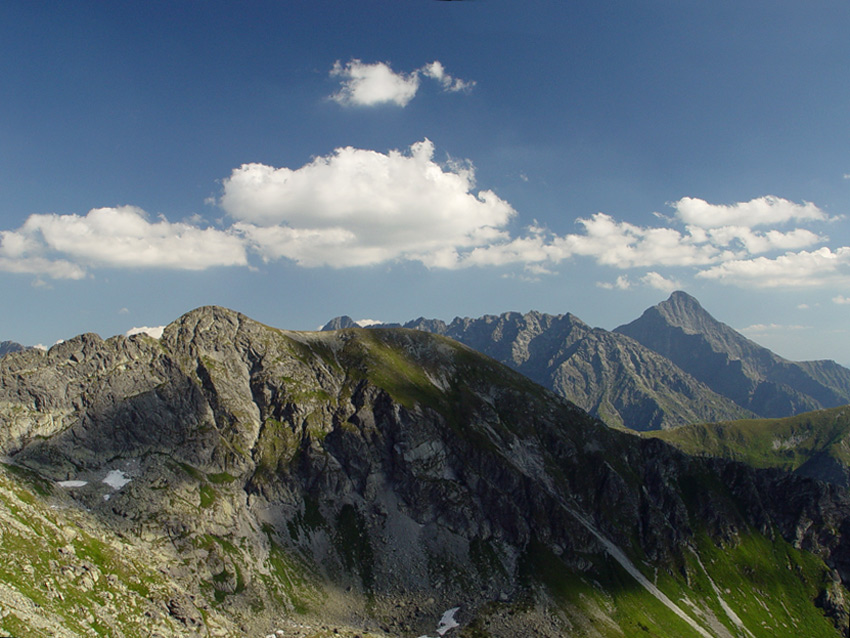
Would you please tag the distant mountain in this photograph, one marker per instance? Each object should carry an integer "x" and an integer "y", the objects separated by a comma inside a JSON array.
[
  {"x": 611, "y": 376},
  {"x": 730, "y": 364},
  {"x": 235, "y": 480},
  {"x": 9, "y": 346},
  {"x": 340, "y": 323},
  {"x": 814, "y": 444}
]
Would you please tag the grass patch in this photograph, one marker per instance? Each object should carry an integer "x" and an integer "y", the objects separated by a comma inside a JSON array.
[
  {"x": 785, "y": 443},
  {"x": 208, "y": 496},
  {"x": 220, "y": 478}
]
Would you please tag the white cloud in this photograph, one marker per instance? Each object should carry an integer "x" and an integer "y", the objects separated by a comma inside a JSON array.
[
  {"x": 359, "y": 207},
  {"x": 659, "y": 282},
  {"x": 622, "y": 283},
  {"x": 755, "y": 242},
  {"x": 608, "y": 241},
  {"x": 765, "y": 329},
  {"x": 768, "y": 210},
  {"x": 372, "y": 84},
  {"x": 795, "y": 270},
  {"x": 651, "y": 279},
  {"x": 841, "y": 300},
  {"x": 155, "y": 332},
  {"x": 625, "y": 245},
  {"x": 365, "y": 323},
  {"x": 63, "y": 246},
  {"x": 436, "y": 71},
  {"x": 56, "y": 269}
]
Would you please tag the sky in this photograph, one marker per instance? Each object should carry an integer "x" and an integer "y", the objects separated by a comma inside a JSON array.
[{"x": 387, "y": 160}]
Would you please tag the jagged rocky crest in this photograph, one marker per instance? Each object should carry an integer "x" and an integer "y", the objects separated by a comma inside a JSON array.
[
  {"x": 374, "y": 479},
  {"x": 673, "y": 366}
]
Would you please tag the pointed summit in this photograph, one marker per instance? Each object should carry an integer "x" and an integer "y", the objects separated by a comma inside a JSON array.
[
  {"x": 339, "y": 323},
  {"x": 683, "y": 309},
  {"x": 730, "y": 364}
]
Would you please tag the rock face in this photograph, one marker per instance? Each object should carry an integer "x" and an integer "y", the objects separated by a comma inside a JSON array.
[
  {"x": 730, "y": 364},
  {"x": 369, "y": 480}
]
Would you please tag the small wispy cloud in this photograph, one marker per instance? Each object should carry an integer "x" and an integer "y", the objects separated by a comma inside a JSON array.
[
  {"x": 764, "y": 328},
  {"x": 621, "y": 283},
  {"x": 373, "y": 84}
]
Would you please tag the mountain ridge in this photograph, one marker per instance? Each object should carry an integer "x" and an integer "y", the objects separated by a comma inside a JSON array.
[
  {"x": 673, "y": 366},
  {"x": 374, "y": 479}
]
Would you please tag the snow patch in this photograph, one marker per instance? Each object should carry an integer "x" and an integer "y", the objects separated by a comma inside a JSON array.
[
  {"x": 72, "y": 483},
  {"x": 723, "y": 604},
  {"x": 155, "y": 332},
  {"x": 448, "y": 622},
  {"x": 618, "y": 555},
  {"x": 116, "y": 479},
  {"x": 365, "y": 323}
]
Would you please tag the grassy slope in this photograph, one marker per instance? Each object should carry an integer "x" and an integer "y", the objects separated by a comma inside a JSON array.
[
  {"x": 784, "y": 443},
  {"x": 768, "y": 585}
]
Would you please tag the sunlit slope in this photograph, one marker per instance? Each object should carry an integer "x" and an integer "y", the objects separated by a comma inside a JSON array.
[{"x": 815, "y": 444}]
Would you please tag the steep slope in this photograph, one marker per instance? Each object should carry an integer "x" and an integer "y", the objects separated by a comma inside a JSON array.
[
  {"x": 730, "y": 364},
  {"x": 370, "y": 480},
  {"x": 815, "y": 444},
  {"x": 610, "y": 376}
]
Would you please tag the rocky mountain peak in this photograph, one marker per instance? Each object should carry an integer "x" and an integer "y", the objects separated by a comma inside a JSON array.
[
  {"x": 9, "y": 346},
  {"x": 683, "y": 311},
  {"x": 339, "y": 323}
]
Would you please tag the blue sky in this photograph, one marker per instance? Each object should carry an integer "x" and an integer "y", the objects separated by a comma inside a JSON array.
[{"x": 389, "y": 160}]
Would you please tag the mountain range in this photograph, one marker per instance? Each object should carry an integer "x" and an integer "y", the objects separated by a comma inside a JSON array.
[
  {"x": 234, "y": 479},
  {"x": 673, "y": 366}
]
